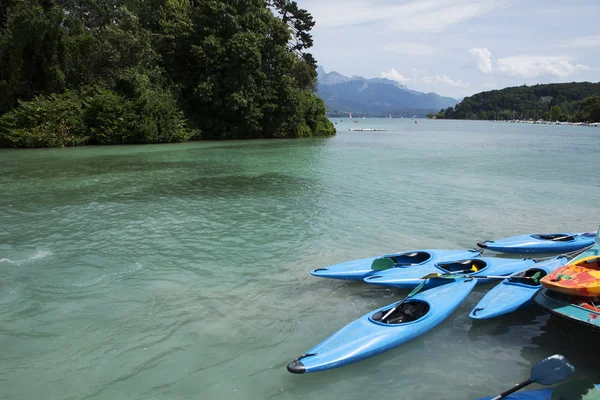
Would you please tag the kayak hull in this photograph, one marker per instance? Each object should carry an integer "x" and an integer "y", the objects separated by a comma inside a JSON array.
[
  {"x": 535, "y": 243},
  {"x": 367, "y": 337},
  {"x": 578, "y": 278},
  {"x": 358, "y": 270},
  {"x": 407, "y": 278},
  {"x": 563, "y": 306},
  {"x": 512, "y": 294}
]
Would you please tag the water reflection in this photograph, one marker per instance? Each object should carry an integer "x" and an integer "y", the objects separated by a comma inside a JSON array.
[{"x": 576, "y": 342}]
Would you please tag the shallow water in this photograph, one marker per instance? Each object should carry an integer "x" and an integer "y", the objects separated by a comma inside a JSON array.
[{"x": 181, "y": 271}]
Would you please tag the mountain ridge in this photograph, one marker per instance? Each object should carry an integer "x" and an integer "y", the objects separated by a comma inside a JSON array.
[{"x": 375, "y": 96}]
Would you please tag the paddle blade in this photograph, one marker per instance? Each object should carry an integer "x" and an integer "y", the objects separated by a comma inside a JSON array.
[
  {"x": 382, "y": 263},
  {"x": 551, "y": 370},
  {"x": 432, "y": 275},
  {"x": 536, "y": 277}
]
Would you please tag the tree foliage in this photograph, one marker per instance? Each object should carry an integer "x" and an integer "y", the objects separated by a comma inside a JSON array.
[
  {"x": 557, "y": 101},
  {"x": 123, "y": 71},
  {"x": 590, "y": 109}
]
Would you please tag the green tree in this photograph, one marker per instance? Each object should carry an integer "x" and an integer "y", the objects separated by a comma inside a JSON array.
[
  {"x": 527, "y": 102},
  {"x": 590, "y": 109},
  {"x": 555, "y": 113},
  {"x": 157, "y": 71}
]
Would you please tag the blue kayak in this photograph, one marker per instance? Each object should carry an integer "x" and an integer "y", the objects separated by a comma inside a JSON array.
[
  {"x": 368, "y": 336},
  {"x": 412, "y": 277},
  {"x": 515, "y": 292},
  {"x": 357, "y": 270},
  {"x": 541, "y": 243}
]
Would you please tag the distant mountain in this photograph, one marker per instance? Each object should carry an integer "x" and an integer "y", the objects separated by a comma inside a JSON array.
[
  {"x": 335, "y": 78},
  {"x": 377, "y": 96}
]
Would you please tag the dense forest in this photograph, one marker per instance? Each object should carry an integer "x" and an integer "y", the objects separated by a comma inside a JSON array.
[
  {"x": 551, "y": 102},
  {"x": 76, "y": 72}
]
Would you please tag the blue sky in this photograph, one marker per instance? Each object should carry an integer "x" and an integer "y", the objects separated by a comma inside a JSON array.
[{"x": 459, "y": 47}]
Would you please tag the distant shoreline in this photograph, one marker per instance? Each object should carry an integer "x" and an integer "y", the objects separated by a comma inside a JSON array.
[
  {"x": 531, "y": 122},
  {"x": 512, "y": 121}
]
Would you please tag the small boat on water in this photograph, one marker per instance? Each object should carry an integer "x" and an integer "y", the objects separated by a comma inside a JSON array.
[
  {"x": 411, "y": 277},
  {"x": 369, "y": 335},
  {"x": 541, "y": 243},
  {"x": 580, "y": 277},
  {"x": 584, "y": 310},
  {"x": 357, "y": 270},
  {"x": 368, "y": 130},
  {"x": 515, "y": 292}
]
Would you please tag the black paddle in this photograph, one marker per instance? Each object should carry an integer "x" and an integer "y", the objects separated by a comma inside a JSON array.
[
  {"x": 562, "y": 237},
  {"x": 535, "y": 277},
  {"x": 547, "y": 372},
  {"x": 411, "y": 294},
  {"x": 414, "y": 292}
]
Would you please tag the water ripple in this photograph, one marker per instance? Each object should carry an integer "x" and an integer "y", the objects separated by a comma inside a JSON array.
[{"x": 182, "y": 271}]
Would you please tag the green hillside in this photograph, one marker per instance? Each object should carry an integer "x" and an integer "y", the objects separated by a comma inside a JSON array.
[
  {"x": 127, "y": 72},
  {"x": 556, "y": 101}
]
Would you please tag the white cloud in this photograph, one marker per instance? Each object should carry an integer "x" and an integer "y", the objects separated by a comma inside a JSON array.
[
  {"x": 444, "y": 80},
  {"x": 586, "y": 41},
  {"x": 410, "y": 49},
  {"x": 531, "y": 66},
  {"x": 482, "y": 59},
  {"x": 394, "y": 75},
  {"x": 410, "y": 16}
]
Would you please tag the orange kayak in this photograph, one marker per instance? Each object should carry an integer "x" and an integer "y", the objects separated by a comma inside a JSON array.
[{"x": 579, "y": 278}]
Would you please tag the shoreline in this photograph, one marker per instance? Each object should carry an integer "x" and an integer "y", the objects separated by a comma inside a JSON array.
[
  {"x": 543, "y": 122},
  {"x": 513, "y": 121}
]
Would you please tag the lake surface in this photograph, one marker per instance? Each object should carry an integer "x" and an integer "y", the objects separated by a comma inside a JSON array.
[{"x": 181, "y": 271}]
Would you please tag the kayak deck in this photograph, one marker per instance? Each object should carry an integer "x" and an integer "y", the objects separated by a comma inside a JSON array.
[
  {"x": 515, "y": 292},
  {"x": 482, "y": 266},
  {"x": 579, "y": 278}
]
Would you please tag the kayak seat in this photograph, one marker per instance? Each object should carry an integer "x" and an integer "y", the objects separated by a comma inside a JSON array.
[
  {"x": 522, "y": 277},
  {"x": 401, "y": 260},
  {"x": 463, "y": 266},
  {"x": 555, "y": 237},
  {"x": 408, "y": 312},
  {"x": 416, "y": 257}
]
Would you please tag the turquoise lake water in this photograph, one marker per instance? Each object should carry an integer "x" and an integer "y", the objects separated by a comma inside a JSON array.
[{"x": 181, "y": 271}]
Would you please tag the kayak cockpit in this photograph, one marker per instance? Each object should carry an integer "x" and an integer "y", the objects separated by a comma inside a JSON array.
[
  {"x": 554, "y": 237},
  {"x": 463, "y": 266},
  {"x": 399, "y": 260},
  {"x": 526, "y": 277},
  {"x": 407, "y": 312},
  {"x": 417, "y": 257}
]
